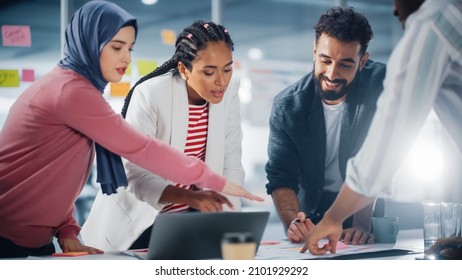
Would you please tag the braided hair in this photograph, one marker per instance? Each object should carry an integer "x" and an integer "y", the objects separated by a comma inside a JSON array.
[{"x": 188, "y": 43}]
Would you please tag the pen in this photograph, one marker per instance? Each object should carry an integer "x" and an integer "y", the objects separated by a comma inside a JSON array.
[
  {"x": 140, "y": 250},
  {"x": 297, "y": 220}
]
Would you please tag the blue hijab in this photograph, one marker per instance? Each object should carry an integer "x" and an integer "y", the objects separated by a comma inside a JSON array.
[{"x": 90, "y": 29}]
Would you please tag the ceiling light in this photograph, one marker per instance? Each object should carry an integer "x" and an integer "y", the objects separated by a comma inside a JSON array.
[
  {"x": 149, "y": 2},
  {"x": 255, "y": 54}
]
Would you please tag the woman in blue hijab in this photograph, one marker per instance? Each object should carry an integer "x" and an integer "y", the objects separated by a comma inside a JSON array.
[
  {"x": 82, "y": 51},
  {"x": 47, "y": 144}
]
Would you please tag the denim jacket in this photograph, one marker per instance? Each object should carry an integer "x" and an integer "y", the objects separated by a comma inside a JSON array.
[{"x": 297, "y": 140}]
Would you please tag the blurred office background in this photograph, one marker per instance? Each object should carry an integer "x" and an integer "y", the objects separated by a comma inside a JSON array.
[{"x": 273, "y": 48}]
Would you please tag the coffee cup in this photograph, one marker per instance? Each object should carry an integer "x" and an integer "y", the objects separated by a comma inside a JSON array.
[
  {"x": 385, "y": 229},
  {"x": 238, "y": 246}
]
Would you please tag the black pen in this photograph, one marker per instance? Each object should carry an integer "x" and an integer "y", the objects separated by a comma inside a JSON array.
[{"x": 297, "y": 220}]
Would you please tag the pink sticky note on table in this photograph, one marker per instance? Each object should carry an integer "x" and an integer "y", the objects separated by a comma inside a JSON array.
[
  {"x": 269, "y": 242},
  {"x": 340, "y": 244},
  {"x": 16, "y": 35},
  {"x": 28, "y": 75}
]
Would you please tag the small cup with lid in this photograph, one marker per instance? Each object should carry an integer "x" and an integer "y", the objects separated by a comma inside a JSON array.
[{"x": 238, "y": 246}]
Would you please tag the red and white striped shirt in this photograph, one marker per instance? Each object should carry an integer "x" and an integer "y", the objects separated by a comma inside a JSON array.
[{"x": 196, "y": 141}]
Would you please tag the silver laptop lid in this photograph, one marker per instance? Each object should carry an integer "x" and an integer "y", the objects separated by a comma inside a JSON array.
[{"x": 198, "y": 235}]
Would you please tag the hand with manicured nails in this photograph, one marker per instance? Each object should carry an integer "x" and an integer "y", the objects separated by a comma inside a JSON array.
[{"x": 236, "y": 190}]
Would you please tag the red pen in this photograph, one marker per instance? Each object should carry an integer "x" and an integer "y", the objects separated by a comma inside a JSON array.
[{"x": 140, "y": 250}]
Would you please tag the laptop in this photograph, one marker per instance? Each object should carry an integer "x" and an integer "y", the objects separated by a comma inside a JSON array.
[{"x": 197, "y": 235}]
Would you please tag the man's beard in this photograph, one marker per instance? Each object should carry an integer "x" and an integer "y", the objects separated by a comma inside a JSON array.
[{"x": 332, "y": 95}]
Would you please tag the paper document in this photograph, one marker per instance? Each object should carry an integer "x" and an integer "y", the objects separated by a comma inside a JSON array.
[{"x": 291, "y": 251}]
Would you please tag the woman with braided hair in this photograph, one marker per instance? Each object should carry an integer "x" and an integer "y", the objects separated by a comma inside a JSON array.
[{"x": 191, "y": 103}]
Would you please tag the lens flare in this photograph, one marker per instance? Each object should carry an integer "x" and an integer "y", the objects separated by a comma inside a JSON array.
[{"x": 426, "y": 161}]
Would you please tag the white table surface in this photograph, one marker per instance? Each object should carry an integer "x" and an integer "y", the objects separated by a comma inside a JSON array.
[{"x": 406, "y": 240}]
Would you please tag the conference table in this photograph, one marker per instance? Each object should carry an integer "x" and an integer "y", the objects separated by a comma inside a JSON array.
[
  {"x": 409, "y": 246},
  {"x": 273, "y": 255}
]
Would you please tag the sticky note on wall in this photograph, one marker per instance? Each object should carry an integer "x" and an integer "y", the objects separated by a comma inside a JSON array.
[
  {"x": 128, "y": 72},
  {"x": 9, "y": 78},
  {"x": 168, "y": 37},
  {"x": 146, "y": 66},
  {"x": 16, "y": 36},
  {"x": 119, "y": 89},
  {"x": 28, "y": 75}
]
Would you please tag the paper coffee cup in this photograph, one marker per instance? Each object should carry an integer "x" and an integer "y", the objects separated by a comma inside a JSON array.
[{"x": 238, "y": 246}]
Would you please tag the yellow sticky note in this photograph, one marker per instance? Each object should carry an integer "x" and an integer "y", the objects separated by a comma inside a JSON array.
[
  {"x": 9, "y": 78},
  {"x": 146, "y": 66},
  {"x": 128, "y": 72},
  {"x": 119, "y": 89},
  {"x": 168, "y": 37}
]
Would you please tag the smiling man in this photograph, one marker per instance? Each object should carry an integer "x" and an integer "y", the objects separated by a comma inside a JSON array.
[
  {"x": 321, "y": 121},
  {"x": 428, "y": 72}
]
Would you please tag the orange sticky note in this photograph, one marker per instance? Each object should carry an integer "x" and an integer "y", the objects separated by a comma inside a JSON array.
[
  {"x": 16, "y": 35},
  {"x": 70, "y": 254},
  {"x": 119, "y": 89},
  {"x": 168, "y": 37}
]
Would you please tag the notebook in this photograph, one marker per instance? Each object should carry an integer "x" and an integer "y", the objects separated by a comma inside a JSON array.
[{"x": 197, "y": 235}]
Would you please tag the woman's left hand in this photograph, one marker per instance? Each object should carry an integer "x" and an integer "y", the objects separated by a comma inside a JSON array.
[{"x": 72, "y": 245}]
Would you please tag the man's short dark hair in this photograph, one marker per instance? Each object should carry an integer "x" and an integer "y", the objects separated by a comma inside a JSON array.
[{"x": 346, "y": 25}]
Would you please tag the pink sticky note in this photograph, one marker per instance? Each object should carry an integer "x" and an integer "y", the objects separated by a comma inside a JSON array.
[
  {"x": 28, "y": 75},
  {"x": 269, "y": 242},
  {"x": 16, "y": 35},
  {"x": 340, "y": 245}
]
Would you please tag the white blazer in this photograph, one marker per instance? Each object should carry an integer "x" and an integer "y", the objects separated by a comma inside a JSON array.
[{"x": 159, "y": 107}]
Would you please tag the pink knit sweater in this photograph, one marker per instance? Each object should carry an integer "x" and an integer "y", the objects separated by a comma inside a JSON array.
[{"x": 47, "y": 150}]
